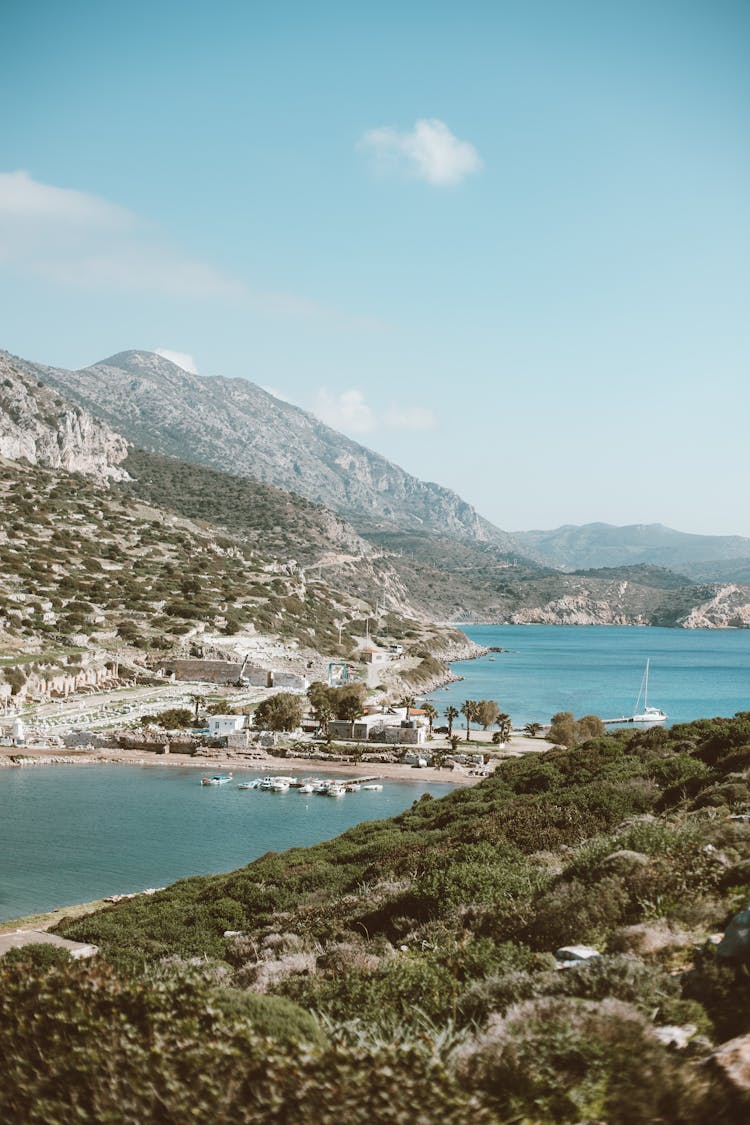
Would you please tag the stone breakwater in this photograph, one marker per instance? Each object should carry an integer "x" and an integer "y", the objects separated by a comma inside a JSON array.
[{"x": 12, "y": 761}]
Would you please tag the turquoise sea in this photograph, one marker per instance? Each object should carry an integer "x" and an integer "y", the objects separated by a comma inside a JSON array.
[
  {"x": 72, "y": 834},
  {"x": 694, "y": 673}
]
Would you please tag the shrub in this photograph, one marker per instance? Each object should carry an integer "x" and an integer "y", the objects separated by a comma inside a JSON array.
[{"x": 575, "y": 1060}]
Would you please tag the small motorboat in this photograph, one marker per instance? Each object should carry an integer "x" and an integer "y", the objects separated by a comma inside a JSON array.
[
  {"x": 249, "y": 784},
  {"x": 373, "y": 787},
  {"x": 335, "y": 790},
  {"x": 217, "y": 779},
  {"x": 307, "y": 787}
]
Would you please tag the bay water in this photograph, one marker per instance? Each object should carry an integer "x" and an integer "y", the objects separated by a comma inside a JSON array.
[
  {"x": 72, "y": 834},
  {"x": 694, "y": 673}
]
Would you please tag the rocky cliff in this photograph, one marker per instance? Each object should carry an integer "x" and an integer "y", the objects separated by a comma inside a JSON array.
[
  {"x": 235, "y": 426},
  {"x": 38, "y": 425}
]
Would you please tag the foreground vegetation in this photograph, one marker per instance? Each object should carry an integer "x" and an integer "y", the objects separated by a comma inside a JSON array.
[{"x": 405, "y": 971}]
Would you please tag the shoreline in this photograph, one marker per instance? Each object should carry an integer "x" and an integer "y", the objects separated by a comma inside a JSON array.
[{"x": 38, "y": 757}]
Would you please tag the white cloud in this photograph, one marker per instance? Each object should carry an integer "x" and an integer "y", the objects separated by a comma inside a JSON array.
[
  {"x": 346, "y": 411},
  {"x": 429, "y": 152},
  {"x": 182, "y": 359},
  {"x": 349, "y": 411},
  {"x": 410, "y": 418},
  {"x": 23, "y": 198},
  {"x": 75, "y": 239}
]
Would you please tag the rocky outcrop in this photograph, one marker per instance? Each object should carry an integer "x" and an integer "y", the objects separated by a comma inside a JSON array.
[
  {"x": 41, "y": 427},
  {"x": 729, "y": 608},
  {"x": 575, "y": 609}
]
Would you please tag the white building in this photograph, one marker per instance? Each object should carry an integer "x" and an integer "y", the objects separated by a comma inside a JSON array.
[{"x": 221, "y": 725}]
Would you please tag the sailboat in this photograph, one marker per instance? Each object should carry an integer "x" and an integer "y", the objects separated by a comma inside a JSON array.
[{"x": 648, "y": 714}]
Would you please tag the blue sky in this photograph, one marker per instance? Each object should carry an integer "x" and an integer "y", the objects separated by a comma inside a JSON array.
[{"x": 505, "y": 244}]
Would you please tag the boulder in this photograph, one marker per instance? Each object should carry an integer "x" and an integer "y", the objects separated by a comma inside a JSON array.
[
  {"x": 624, "y": 860},
  {"x": 734, "y": 947},
  {"x": 732, "y": 1062},
  {"x": 649, "y": 938}
]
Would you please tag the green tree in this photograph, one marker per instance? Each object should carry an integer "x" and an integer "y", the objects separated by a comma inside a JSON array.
[
  {"x": 171, "y": 719},
  {"x": 562, "y": 731},
  {"x": 349, "y": 701},
  {"x": 451, "y": 714},
  {"x": 323, "y": 704},
  {"x": 468, "y": 708},
  {"x": 533, "y": 729},
  {"x": 486, "y": 712},
  {"x": 279, "y": 712},
  {"x": 589, "y": 726}
]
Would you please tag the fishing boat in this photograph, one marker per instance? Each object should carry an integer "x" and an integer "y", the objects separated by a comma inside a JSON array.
[
  {"x": 217, "y": 779},
  {"x": 374, "y": 787},
  {"x": 249, "y": 784},
  {"x": 335, "y": 790},
  {"x": 307, "y": 787}
]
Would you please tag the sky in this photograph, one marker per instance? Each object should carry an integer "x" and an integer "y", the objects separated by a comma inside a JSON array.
[{"x": 506, "y": 244}]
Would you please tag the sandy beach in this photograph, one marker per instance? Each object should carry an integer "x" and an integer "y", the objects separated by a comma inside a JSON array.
[{"x": 273, "y": 764}]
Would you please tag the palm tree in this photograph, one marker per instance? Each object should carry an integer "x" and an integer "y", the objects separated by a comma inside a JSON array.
[
  {"x": 532, "y": 729},
  {"x": 198, "y": 700},
  {"x": 451, "y": 713},
  {"x": 468, "y": 709},
  {"x": 431, "y": 713},
  {"x": 504, "y": 727}
]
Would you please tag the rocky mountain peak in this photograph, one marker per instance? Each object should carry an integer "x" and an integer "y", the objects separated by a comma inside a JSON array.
[
  {"x": 235, "y": 426},
  {"x": 38, "y": 425}
]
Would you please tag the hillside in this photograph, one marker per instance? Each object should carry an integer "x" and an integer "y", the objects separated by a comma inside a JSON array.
[
  {"x": 235, "y": 426},
  {"x": 708, "y": 557},
  {"x": 425, "y": 947},
  {"x": 426, "y": 575},
  {"x": 279, "y": 524}
]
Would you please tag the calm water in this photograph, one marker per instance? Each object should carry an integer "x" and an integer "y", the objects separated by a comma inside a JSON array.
[
  {"x": 598, "y": 670},
  {"x": 73, "y": 834}
]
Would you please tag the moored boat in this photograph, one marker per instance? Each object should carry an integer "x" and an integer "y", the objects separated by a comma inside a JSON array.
[{"x": 217, "y": 779}]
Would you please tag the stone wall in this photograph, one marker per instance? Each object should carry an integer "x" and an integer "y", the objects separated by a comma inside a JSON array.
[{"x": 228, "y": 672}]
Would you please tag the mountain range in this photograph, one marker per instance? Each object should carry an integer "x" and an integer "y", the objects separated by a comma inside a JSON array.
[
  {"x": 706, "y": 557},
  {"x": 237, "y": 427},
  {"x": 226, "y": 453}
]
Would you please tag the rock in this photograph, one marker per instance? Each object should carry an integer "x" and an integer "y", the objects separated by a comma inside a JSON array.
[
  {"x": 649, "y": 938},
  {"x": 38, "y": 425},
  {"x": 624, "y": 860},
  {"x": 574, "y": 954},
  {"x": 734, "y": 947},
  {"x": 672, "y": 1035},
  {"x": 732, "y": 1062}
]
